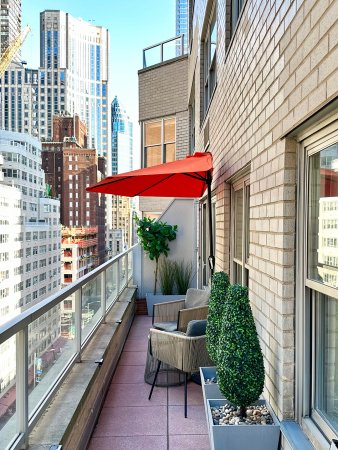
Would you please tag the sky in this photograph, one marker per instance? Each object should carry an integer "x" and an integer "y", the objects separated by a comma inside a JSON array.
[{"x": 133, "y": 25}]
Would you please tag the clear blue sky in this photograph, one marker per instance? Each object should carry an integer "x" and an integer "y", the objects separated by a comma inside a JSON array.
[{"x": 132, "y": 24}]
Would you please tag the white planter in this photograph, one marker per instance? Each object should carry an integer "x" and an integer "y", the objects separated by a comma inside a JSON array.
[
  {"x": 239, "y": 437},
  {"x": 151, "y": 299}
]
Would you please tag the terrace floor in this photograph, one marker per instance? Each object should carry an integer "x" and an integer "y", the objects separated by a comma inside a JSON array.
[{"x": 128, "y": 420}]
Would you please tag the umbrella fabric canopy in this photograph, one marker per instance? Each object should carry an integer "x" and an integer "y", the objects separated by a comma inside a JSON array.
[
  {"x": 182, "y": 178},
  {"x": 188, "y": 177}
]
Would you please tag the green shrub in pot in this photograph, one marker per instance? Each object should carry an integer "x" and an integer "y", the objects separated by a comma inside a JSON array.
[
  {"x": 219, "y": 287},
  {"x": 240, "y": 366}
]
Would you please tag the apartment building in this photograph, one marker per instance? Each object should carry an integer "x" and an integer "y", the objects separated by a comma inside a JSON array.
[
  {"x": 262, "y": 93},
  {"x": 262, "y": 89},
  {"x": 10, "y": 16},
  {"x": 30, "y": 245}
]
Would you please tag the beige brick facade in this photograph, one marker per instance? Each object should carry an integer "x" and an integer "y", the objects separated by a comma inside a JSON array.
[
  {"x": 280, "y": 67},
  {"x": 163, "y": 93}
]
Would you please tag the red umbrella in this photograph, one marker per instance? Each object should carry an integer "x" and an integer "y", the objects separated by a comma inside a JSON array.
[{"x": 188, "y": 177}]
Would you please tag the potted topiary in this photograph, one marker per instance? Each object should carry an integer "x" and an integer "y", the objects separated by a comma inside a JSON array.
[
  {"x": 154, "y": 236},
  {"x": 240, "y": 374},
  {"x": 219, "y": 287}
]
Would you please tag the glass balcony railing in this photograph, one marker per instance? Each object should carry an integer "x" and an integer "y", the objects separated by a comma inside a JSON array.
[
  {"x": 169, "y": 49},
  {"x": 41, "y": 344}
]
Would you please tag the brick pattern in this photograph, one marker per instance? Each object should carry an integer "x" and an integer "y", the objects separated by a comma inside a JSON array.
[{"x": 280, "y": 67}]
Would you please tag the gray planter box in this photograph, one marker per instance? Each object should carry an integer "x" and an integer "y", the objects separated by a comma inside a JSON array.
[
  {"x": 239, "y": 437},
  {"x": 159, "y": 298},
  {"x": 210, "y": 391}
]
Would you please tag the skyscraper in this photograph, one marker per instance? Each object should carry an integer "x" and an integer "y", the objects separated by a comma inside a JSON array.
[
  {"x": 122, "y": 161},
  {"x": 122, "y": 139},
  {"x": 82, "y": 50},
  {"x": 182, "y": 21},
  {"x": 10, "y": 15}
]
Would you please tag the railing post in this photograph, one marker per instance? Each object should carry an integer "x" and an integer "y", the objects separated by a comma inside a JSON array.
[
  {"x": 22, "y": 383},
  {"x": 144, "y": 59},
  {"x": 182, "y": 44},
  {"x": 127, "y": 269},
  {"x": 78, "y": 322},
  {"x": 103, "y": 295},
  {"x": 162, "y": 52},
  {"x": 118, "y": 281}
]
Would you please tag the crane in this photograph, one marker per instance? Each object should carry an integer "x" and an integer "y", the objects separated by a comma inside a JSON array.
[{"x": 11, "y": 50}]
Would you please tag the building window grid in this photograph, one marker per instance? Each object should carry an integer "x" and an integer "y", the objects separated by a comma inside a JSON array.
[{"x": 165, "y": 144}]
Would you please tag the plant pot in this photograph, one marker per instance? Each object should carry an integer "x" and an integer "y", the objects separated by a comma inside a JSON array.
[
  {"x": 210, "y": 390},
  {"x": 159, "y": 298},
  {"x": 239, "y": 437}
]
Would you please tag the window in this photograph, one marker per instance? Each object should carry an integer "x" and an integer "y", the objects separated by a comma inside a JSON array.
[
  {"x": 240, "y": 195},
  {"x": 317, "y": 289},
  {"x": 236, "y": 8},
  {"x": 159, "y": 141},
  {"x": 209, "y": 60}
]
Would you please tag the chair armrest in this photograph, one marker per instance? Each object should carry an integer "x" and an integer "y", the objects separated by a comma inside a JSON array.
[
  {"x": 168, "y": 311},
  {"x": 180, "y": 351},
  {"x": 185, "y": 315}
]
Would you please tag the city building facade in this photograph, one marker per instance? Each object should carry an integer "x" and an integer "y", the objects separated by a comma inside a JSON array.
[
  {"x": 10, "y": 16},
  {"x": 64, "y": 84},
  {"x": 262, "y": 89},
  {"x": 182, "y": 21},
  {"x": 30, "y": 247}
]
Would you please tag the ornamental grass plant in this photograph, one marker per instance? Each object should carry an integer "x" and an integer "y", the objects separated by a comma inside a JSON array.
[
  {"x": 167, "y": 275},
  {"x": 183, "y": 275}
]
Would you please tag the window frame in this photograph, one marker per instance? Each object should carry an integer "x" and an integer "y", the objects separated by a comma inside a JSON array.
[
  {"x": 209, "y": 71},
  {"x": 242, "y": 183},
  {"x": 162, "y": 143},
  {"x": 308, "y": 290}
]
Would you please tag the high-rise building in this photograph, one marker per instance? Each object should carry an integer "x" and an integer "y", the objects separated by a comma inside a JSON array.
[
  {"x": 70, "y": 168},
  {"x": 30, "y": 245},
  {"x": 122, "y": 161},
  {"x": 182, "y": 21},
  {"x": 122, "y": 138},
  {"x": 72, "y": 79},
  {"x": 82, "y": 50},
  {"x": 10, "y": 15}
]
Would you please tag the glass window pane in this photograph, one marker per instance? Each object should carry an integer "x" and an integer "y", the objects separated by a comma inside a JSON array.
[
  {"x": 152, "y": 133},
  {"x": 169, "y": 130},
  {"x": 323, "y": 216},
  {"x": 170, "y": 152},
  {"x": 238, "y": 226},
  {"x": 326, "y": 387},
  {"x": 213, "y": 38},
  {"x": 153, "y": 156}
]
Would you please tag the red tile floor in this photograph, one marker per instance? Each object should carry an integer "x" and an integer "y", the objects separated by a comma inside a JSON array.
[{"x": 128, "y": 420}]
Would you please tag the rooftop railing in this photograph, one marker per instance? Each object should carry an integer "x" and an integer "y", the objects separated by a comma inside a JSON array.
[
  {"x": 40, "y": 345},
  {"x": 163, "y": 51}
]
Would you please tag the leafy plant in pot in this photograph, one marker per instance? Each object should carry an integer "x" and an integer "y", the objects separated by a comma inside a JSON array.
[
  {"x": 154, "y": 236},
  {"x": 240, "y": 366},
  {"x": 240, "y": 375}
]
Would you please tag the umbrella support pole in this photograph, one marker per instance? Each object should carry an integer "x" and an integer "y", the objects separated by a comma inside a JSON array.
[{"x": 211, "y": 241}]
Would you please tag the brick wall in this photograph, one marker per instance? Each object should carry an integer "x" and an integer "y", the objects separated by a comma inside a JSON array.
[{"x": 280, "y": 67}]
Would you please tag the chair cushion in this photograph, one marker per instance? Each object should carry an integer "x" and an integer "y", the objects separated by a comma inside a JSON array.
[
  {"x": 196, "y": 297},
  {"x": 196, "y": 328},
  {"x": 166, "y": 326}
]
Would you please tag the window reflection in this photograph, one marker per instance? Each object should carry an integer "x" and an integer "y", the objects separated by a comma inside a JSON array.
[{"x": 323, "y": 216}]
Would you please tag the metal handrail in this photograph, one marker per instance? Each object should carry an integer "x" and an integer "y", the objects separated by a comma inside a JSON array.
[
  {"x": 179, "y": 38},
  {"x": 18, "y": 327}
]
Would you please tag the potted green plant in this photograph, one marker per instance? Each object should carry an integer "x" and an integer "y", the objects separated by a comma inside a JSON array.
[
  {"x": 182, "y": 275},
  {"x": 240, "y": 374},
  {"x": 154, "y": 236},
  {"x": 167, "y": 276}
]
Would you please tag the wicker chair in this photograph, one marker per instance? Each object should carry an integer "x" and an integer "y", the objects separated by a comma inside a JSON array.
[
  {"x": 175, "y": 315},
  {"x": 185, "y": 353}
]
